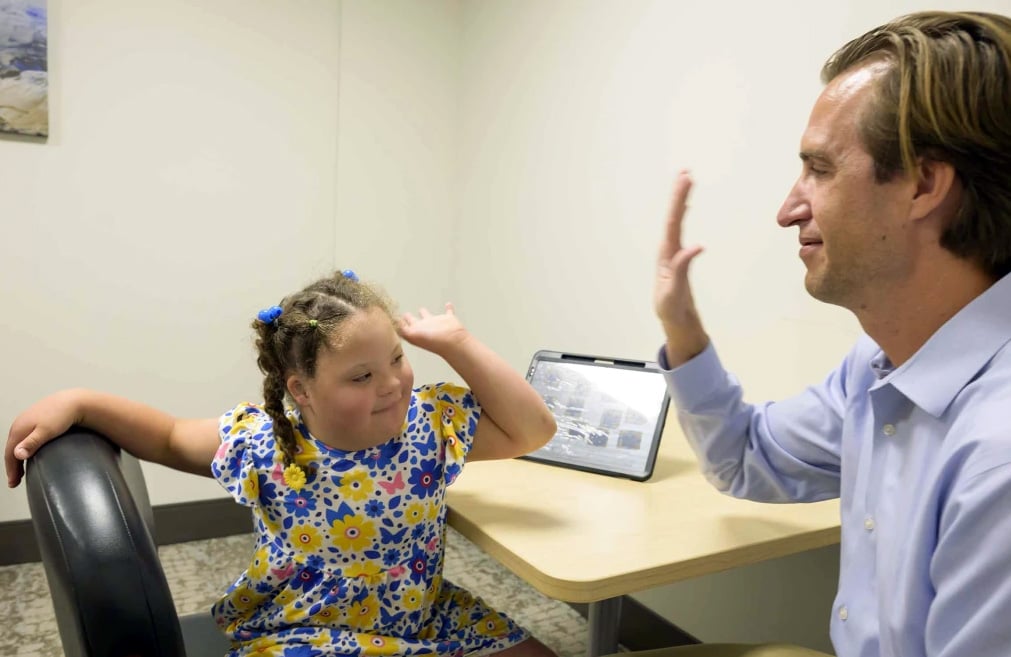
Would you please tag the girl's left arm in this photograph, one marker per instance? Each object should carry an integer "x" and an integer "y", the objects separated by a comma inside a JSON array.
[{"x": 514, "y": 418}]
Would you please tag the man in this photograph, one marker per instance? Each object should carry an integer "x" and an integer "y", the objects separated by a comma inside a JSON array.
[{"x": 903, "y": 209}]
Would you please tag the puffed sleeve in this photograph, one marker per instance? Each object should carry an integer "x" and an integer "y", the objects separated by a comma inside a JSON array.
[
  {"x": 245, "y": 458},
  {"x": 454, "y": 412}
]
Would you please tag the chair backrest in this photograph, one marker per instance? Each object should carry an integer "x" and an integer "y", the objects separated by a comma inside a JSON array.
[{"x": 94, "y": 533}]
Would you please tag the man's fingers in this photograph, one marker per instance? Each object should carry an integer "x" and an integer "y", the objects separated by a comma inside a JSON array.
[
  {"x": 683, "y": 258},
  {"x": 675, "y": 217}
]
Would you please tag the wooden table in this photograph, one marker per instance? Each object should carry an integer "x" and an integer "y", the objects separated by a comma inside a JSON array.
[{"x": 582, "y": 537}]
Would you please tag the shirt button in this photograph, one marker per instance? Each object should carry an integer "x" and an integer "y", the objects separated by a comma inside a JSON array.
[
  {"x": 869, "y": 523},
  {"x": 843, "y": 614},
  {"x": 889, "y": 429}
]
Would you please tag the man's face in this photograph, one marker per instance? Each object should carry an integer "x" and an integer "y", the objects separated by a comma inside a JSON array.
[{"x": 853, "y": 231}]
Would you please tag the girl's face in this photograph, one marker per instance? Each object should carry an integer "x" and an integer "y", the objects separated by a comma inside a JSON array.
[{"x": 362, "y": 387}]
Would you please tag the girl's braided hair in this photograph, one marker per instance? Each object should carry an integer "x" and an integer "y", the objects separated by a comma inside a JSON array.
[{"x": 289, "y": 337}]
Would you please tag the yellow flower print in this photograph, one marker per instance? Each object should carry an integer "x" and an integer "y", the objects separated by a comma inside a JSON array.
[
  {"x": 426, "y": 394},
  {"x": 293, "y": 613},
  {"x": 251, "y": 486},
  {"x": 329, "y": 615},
  {"x": 323, "y": 639},
  {"x": 305, "y": 451},
  {"x": 372, "y": 644},
  {"x": 245, "y": 598},
  {"x": 412, "y": 598},
  {"x": 294, "y": 476},
  {"x": 454, "y": 448},
  {"x": 241, "y": 422},
  {"x": 284, "y": 597},
  {"x": 362, "y": 615},
  {"x": 434, "y": 588},
  {"x": 305, "y": 537},
  {"x": 492, "y": 625},
  {"x": 370, "y": 571},
  {"x": 353, "y": 533},
  {"x": 258, "y": 566},
  {"x": 356, "y": 485},
  {"x": 415, "y": 513},
  {"x": 433, "y": 510},
  {"x": 264, "y": 647}
]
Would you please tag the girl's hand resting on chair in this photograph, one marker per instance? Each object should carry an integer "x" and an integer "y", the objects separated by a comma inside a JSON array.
[{"x": 37, "y": 425}]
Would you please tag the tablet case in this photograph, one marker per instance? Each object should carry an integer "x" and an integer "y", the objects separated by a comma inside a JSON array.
[{"x": 610, "y": 412}]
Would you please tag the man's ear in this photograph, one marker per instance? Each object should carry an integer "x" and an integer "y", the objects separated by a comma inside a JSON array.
[
  {"x": 297, "y": 390},
  {"x": 937, "y": 188}
]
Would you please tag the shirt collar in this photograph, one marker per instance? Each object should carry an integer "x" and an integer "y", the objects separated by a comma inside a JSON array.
[{"x": 953, "y": 355}]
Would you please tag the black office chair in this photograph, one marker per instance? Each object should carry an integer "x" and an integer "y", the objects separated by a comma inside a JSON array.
[{"x": 93, "y": 522}]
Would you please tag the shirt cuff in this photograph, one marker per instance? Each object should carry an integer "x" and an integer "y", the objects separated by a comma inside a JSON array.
[{"x": 695, "y": 382}]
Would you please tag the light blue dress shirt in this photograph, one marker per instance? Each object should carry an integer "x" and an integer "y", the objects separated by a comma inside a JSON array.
[{"x": 920, "y": 457}]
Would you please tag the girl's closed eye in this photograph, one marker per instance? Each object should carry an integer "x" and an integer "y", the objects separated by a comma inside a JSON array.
[{"x": 363, "y": 378}]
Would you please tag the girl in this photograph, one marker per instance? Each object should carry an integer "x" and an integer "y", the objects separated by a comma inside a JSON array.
[{"x": 345, "y": 466}]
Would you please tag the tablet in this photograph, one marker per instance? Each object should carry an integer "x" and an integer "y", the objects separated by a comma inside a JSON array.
[{"x": 610, "y": 412}]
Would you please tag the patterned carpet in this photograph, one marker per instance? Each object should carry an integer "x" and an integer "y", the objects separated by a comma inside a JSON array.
[{"x": 197, "y": 573}]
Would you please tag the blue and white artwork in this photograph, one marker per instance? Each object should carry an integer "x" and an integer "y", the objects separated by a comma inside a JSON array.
[{"x": 24, "y": 74}]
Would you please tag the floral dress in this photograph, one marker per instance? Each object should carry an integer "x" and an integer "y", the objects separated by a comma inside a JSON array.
[{"x": 348, "y": 560}]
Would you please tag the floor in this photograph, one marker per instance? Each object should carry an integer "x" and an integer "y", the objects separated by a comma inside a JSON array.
[{"x": 197, "y": 572}]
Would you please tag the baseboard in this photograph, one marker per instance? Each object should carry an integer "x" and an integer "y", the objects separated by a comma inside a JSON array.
[
  {"x": 641, "y": 628},
  {"x": 174, "y": 523}
]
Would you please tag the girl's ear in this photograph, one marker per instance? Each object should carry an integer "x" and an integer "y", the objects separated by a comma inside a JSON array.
[{"x": 297, "y": 390}]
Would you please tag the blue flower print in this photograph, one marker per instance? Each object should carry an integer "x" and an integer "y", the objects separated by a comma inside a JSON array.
[
  {"x": 452, "y": 472},
  {"x": 391, "y": 557},
  {"x": 418, "y": 565},
  {"x": 336, "y": 592},
  {"x": 306, "y": 579},
  {"x": 374, "y": 508},
  {"x": 381, "y": 457},
  {"x": 425, "y": 478},
  {"x": 301, "y": 651},
  {"x": 418, "y": 531},
  {"x": 315, "y": 562},
  {"x": 468, "y": 400},
  {"x": 300, "y": 503},
  {"x": 268, "y": 490}
]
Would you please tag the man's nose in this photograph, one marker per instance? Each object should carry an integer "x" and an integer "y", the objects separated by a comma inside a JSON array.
[{"x": 795, "y": 208}]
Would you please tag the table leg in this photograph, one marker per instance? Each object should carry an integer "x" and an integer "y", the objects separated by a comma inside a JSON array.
[{"x": 604, "y": 619}]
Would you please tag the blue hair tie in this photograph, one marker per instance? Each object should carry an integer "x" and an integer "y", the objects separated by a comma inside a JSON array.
[
  {"x": 269, "y": 315},
  {"x": 349, "y": 274}
]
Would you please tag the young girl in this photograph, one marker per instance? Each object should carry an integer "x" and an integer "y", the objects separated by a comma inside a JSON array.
[{"x": 345, "y": 466}]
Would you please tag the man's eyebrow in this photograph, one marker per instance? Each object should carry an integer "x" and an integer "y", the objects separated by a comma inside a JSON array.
[{"x": 819, "y": 155}]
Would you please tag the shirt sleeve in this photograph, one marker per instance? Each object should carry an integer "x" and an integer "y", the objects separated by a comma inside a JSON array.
[
  {"x": 786, "y": 451},
  {"x": 241, "y": 464},
  {"x": 970, "y": 570},
  {"x": 455, "y": 413}
]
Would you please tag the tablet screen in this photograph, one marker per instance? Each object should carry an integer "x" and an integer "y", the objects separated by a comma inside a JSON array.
[{"x": 610, "y": 413}]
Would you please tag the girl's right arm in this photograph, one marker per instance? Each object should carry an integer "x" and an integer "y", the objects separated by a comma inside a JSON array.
[{"x": 144, "y": 431}]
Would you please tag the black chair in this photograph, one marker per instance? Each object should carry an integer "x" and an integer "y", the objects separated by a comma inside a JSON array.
[{"x": 94, "y": 524}]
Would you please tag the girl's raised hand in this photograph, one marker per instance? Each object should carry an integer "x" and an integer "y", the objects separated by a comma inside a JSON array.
[{"x": 431, "y": 332}]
